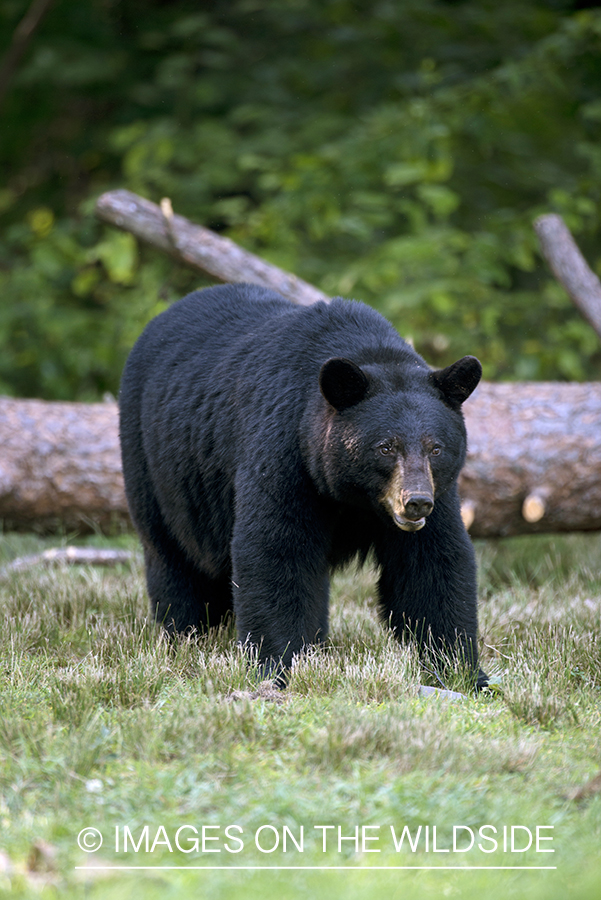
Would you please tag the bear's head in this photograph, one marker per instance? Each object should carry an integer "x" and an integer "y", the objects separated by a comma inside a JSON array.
[{"x": 391, "y": 434}]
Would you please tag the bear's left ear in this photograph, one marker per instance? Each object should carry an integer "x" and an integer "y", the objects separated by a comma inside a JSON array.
[
  {"x": 458, "y": 380},
  {"x": 342, "y": 383}
]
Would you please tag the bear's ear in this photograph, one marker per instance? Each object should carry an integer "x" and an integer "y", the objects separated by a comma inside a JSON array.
[
  {"x": 342, "y": 383},
  {"x": 458, "y": 380}
]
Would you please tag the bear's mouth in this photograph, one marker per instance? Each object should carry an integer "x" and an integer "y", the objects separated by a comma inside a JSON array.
[{"x": 406, "y": 524}]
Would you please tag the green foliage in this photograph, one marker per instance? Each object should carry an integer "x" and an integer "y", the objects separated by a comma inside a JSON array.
[{"x": 393, "y": 152}]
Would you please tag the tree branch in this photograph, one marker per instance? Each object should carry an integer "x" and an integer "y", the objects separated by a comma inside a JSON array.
[
  {"x": 20, "y": 42},
  {"x": 570, "y": 267},
  {"x": 199, "y": 247}
]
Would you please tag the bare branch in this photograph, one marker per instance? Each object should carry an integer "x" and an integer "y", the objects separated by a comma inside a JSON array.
[
  {"x": 20, "y": 42},
  {"x": 570, "y": 267},
  {"x": 198, "y": 246}
]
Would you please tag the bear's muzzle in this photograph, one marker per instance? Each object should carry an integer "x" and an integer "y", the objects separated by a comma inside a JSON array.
[{"x": 410, "y": 495}]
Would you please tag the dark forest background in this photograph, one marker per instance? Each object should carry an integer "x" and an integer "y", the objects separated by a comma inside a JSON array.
[{"x": 394, "y": 152}]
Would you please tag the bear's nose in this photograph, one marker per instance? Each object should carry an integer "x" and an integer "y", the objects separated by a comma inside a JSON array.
[{"x": 417, "y": 506}]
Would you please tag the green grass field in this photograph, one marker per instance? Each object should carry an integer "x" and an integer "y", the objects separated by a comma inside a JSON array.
[{"x": 103, "y": 725}]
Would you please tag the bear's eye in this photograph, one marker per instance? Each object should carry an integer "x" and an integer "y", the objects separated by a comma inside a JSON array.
[
  {"x": 386, "y": 449},
  {"x": 436, "y": 451}
]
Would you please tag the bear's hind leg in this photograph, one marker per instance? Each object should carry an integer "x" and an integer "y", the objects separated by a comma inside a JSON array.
[{"x": 181, "y": 596}]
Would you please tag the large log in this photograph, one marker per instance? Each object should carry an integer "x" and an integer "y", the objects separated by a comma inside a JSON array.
[
  {"x": 60, "y": 466},
  {"x": 534, "y": 462}
]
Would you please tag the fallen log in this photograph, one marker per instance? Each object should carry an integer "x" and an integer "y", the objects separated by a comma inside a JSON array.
[
  {"x": 534, "y": 462},
  {"x": 60, "y": 466}
]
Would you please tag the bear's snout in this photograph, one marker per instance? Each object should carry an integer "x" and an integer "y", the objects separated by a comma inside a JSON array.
[
  {"x": 410, "y": 495},
  {"x": 418, "y": 506},
  {"x": 411, "y": 513}
]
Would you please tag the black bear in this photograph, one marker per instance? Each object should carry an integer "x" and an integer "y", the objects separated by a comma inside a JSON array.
[{"x": 265, "y": 444}]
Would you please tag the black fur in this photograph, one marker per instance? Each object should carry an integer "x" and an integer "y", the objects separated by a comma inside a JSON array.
[{"x": 258, "y": 439}]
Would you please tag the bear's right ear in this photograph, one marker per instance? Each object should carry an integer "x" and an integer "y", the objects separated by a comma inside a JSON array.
[{"x": 342, "y": 383}]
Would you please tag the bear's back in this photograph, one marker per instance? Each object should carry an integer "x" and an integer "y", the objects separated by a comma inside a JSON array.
[
  {"x": 208, "y": 319},
  {"x": 251, "y": 322}
]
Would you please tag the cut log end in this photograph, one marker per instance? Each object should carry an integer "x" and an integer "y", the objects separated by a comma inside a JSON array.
[
  {"x": 534, "y": 508},
  {"x": 468, "y": 513}
]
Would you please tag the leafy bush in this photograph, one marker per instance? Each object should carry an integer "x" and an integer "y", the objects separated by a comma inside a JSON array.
[{"x": 393, "y": 152}]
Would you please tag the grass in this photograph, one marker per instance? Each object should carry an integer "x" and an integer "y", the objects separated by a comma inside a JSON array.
[{"x": 104, "y": 724}]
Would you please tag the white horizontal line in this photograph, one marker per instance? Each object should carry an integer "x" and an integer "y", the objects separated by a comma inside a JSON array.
[{"x": 321, "y": 868}]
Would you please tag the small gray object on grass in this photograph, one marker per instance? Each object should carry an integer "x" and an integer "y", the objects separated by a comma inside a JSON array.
[
  {"x": 425, "y": 691},
  {"x": 78, "y": 556}
]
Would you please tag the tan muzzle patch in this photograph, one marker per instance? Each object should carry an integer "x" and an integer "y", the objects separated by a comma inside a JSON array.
[{"x": 408, "y": 482}]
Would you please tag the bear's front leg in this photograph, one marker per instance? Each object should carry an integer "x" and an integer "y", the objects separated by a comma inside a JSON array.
[
  {"x": 428, "y": 585},
  {"x": 280, "y": 579}
]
